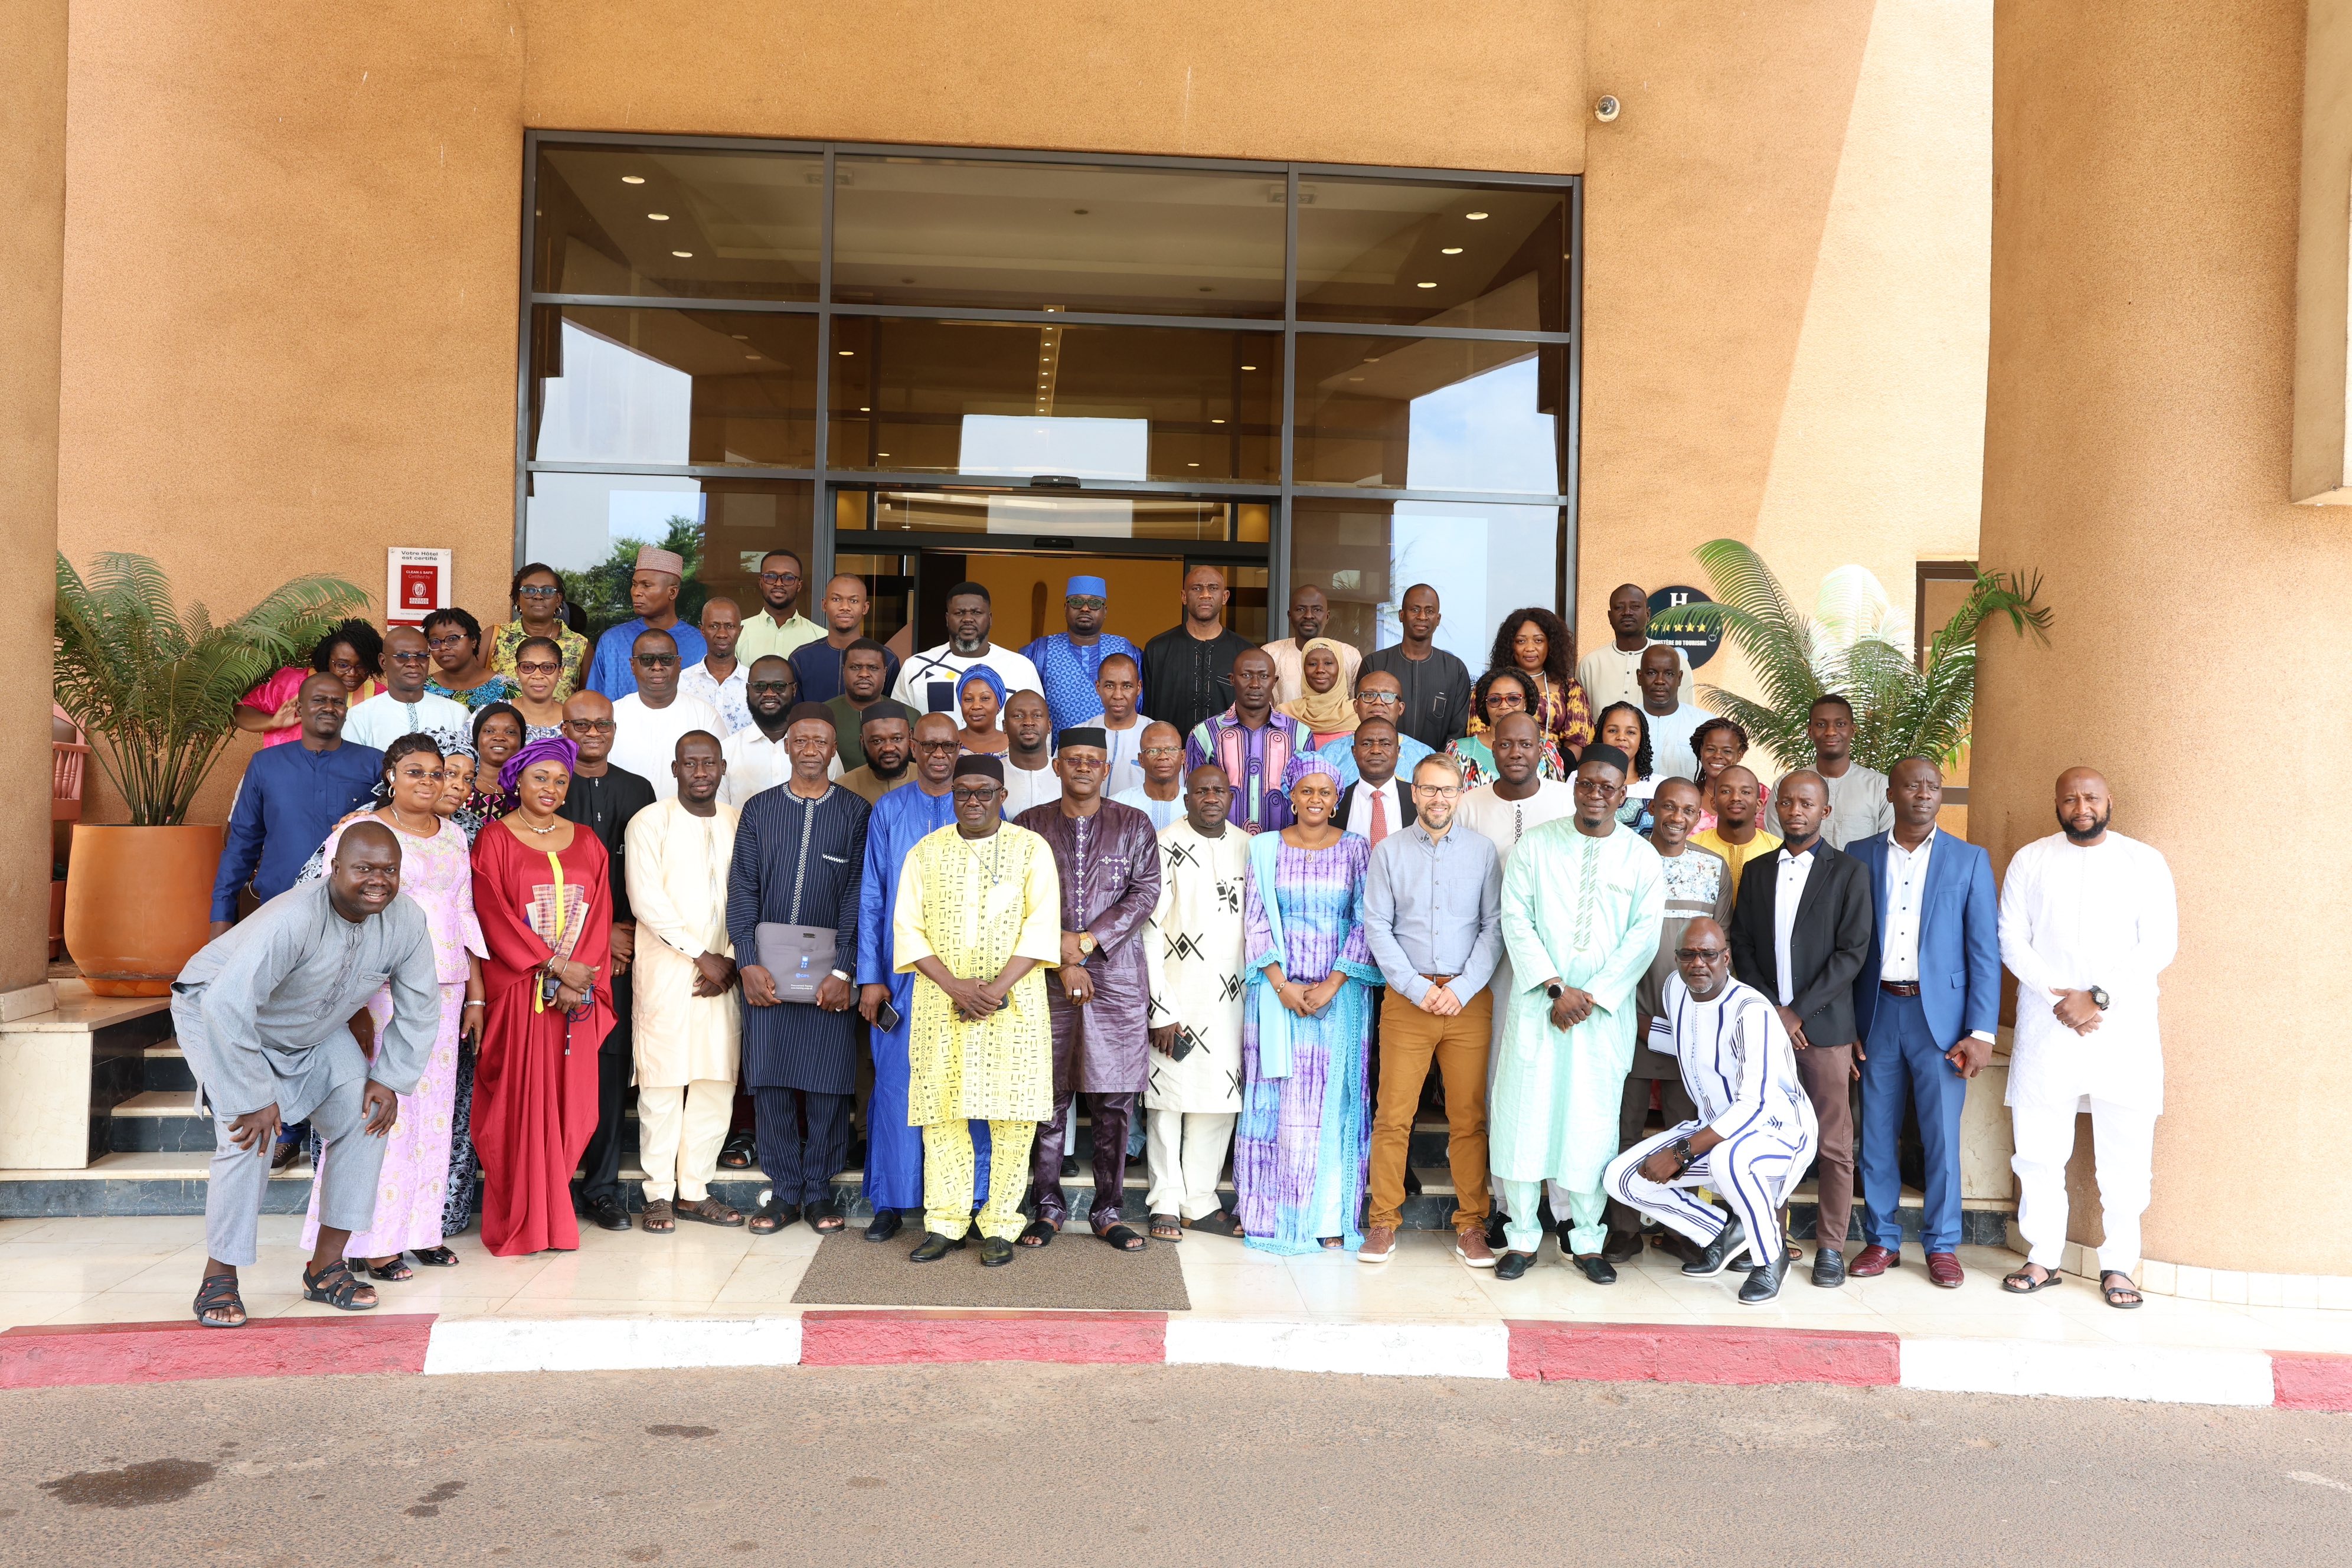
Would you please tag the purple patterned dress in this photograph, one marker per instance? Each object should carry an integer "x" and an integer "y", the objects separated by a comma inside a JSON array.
[{"x": 1301, "y": 1147}]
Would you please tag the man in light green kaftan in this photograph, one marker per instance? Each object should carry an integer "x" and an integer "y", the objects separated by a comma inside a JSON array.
[{"x": 1582, "y": 902}]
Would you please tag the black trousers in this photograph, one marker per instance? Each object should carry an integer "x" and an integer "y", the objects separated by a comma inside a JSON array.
[
  {"x": 600, "y": 1166},
  {"x": 801, "y": 1165},
  {"x": 1632, "y": 1114},
  {"x": 1110, "y": 1115}
]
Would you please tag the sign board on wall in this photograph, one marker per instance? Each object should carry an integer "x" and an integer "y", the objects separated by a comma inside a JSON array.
[
  {"x": 417, "y": 584},
  {"x": 1698, "y": 645}
]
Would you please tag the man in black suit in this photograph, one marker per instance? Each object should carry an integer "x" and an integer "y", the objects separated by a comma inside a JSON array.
[
  {"x": 1377, "y": 799},
  {"x": 1800, "y": 932}
]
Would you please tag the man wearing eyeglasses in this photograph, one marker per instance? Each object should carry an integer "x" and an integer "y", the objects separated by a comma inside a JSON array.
[
  {"x": 404, "y": 707},
  {"x": 649, "y": 722},
  {"x": 756, "y": 758},
  {"x": 654, "y": 588},
  {"x": 1433, "y": 916},
  {"x": 1378, "y": 696},
  {"x": 1069, "y": 662},
  {"x": 778, "y": 628},
  {"x": 1751, "y": 1135},
  {"x": 1160, "y": 796}
]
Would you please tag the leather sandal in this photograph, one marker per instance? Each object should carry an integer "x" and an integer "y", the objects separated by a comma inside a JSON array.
[
  {"x": 393, "y": 1270},
  {"x": 2125, "y": 1295},
  {"x": 1039, "y": 1233},
  {"x": 772, "y": 1216},
  {"x": 337, "y": 1285},
  {"x": 2018, "y": 1282},
  {"x": 1123, "y": 1237},
  {"x": 1167, "y": 1228},
  {"x": 660, "y": 1217},
  {"x": 219, "y": 1294},
  {"x": 707, "y": 1211},
  {"x": 436, "y": 1257},
  {"x": 1225, "y": 1222}
]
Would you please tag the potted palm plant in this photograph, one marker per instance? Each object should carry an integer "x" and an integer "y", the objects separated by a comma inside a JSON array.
[
  {"x": 154, "y": 690},
  {"x": 1901, "y": 708}
]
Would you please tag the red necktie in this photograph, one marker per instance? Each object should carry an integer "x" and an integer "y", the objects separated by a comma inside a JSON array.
[{"x": 1379, "y": 815}]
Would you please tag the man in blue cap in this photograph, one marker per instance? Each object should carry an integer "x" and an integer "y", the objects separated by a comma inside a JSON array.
[{"x": 1068, "y": 662}]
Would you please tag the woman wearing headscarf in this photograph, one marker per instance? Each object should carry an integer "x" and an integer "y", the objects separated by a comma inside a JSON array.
[
  {"x": 542, "y": 893},
  {"x": 437, "y": 873},
  {"x": 1539, "y": 647},
  {"x": 1304, "y": 1136},
  {"x": 979, "y": 697},
  {"x": 1322, "y": 704}
]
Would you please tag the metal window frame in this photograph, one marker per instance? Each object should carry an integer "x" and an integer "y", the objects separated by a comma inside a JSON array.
[{"x": 827, "y": 482}]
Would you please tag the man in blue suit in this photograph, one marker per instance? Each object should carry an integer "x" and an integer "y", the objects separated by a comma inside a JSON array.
[{"x": 1925, "y": 1005}]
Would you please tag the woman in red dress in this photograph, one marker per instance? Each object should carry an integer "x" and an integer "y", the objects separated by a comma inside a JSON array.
[{"x": 542, "y": 893}]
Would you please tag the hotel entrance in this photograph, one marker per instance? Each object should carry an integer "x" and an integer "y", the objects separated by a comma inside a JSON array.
[{"x": 911, "y": 546}]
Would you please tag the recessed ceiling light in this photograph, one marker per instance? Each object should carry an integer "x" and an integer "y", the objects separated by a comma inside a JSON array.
[
  {"x": 1473, "y": 217},
  {"x": 681, "y": 253},
  {"x": 1249, "y": 367},
  {"x": 1355, "y": 378},
  {"x": 847, "y": 354},
  {"x": 866, "y": 408},
  {"x": 1371, "y": 359},
  {"x": 1192, "y": 464},
  {"x": 659, "y": 217},
  {"x": 633, "y": 179},
  {"x": 1216, "y": 422},
  {"x": 1451, "y": 250},
  {"x": 751, "y": 356},
  {"x": 1424, "y": 285},
  {"x": 741, "y": 337}
]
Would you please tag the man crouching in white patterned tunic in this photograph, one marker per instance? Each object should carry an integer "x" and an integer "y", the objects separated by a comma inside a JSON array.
[{"x": 1755, "y": 1132}]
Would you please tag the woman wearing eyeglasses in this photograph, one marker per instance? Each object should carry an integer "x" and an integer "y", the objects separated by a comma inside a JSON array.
[
  {"x": 454, "y": 638},
  {"x": 537, "y": 594}
]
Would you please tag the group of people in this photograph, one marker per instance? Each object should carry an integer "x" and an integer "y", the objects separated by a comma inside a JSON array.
[{"x": 1239, "y": 900}]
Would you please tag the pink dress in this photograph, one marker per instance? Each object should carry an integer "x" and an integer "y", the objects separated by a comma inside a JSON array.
[{"x": 438, "y": 873}]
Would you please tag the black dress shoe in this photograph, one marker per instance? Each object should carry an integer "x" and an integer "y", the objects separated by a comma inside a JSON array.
[
  {"x": 996, "y": 1252},
  {"x": 1596, "y": 1268},
  {"x": 610, "y": 1214},
  {"x": 1495, "y": 1223},
  {"x": 1512, "y": 1265},
  {"x": 1069, "y": 1165},
  {"x": 1622, "y": 1245},
  {"x": 884, "y": 1225},
  {"x": 1721, "y": 1253},
  {"x": 1763, "y": 1281},
  {"x": 1829, "y": 1267},
  {"x": 935, "y": 1246}
]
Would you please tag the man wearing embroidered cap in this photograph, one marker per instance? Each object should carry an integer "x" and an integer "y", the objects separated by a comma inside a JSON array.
[
  {"x": 978, "y": 912},
  {"x": 653, "y": 594},
  {"x": 1069, "y": 662},
  {"x": 1108, "y": 859}
]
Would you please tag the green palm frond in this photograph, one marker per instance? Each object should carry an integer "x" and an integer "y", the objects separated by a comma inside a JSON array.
[
  {"x": 1901, "y": 708},
  {"x": 156, "y": 688}
]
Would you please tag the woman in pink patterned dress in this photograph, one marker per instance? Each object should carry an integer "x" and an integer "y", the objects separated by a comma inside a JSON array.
[{"x": 437, "y": 869}]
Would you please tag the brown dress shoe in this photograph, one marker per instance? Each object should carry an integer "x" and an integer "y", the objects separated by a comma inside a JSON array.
[
  {"x": 1944, "y": 1268},
  {"x": 1380, "y": 1244},
  {"x": 1470, "y": 1246},
  {"x": 1874, "y": 1261}
]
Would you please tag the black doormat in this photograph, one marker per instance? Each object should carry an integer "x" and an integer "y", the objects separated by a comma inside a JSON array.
[{"x": 1076, "y": 1272}]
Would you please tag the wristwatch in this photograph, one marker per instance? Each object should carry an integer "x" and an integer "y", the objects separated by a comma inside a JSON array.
[
  {"x": 1684, "y": 1159},
  {"x": 841, "y": 975},
  {"x": 1087, "y": 942},
  {"x": 2099, "y": 997},
  {"x": 1554, "y": 989}
]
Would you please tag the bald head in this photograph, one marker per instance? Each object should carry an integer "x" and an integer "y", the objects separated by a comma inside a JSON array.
[
  {"x": 1702, "y": 958},
  {"x": 2085, "y": 807},
  {"x": 365, "y": 876}
]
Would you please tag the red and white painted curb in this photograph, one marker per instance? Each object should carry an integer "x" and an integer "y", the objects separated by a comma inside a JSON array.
[{"x": 43, "y": 1357}]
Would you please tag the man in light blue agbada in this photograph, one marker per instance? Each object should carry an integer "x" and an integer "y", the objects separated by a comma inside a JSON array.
[{"x": 1583, "y": 902}]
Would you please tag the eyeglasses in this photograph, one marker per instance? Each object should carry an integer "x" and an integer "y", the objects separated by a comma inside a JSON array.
[
  {"x": 1437, "y": 791},
  {"x": 780, "y": 576},
  {"x": 1379, "y": 699},
  {"x": 1087, "y": 763},
  {"x": 786, "y": 686},
  {"x": 1163, "y": 751},
  {"x": 939, "y": 745},
  {"x": 656, "y": 660},
  {"x": 539, "y": 590},
  {"x": 980, "y": 796},
  {"x": 454, "y": 639},
  {"x": 1086, "y": 602},
  {"x": 1593, "y": 786},
  {"x": 416, "y": 657},
  {"x": 590, "y": 726},
  {"x": 1691, "y": 954},
  {"x": 538, "y": 666}
]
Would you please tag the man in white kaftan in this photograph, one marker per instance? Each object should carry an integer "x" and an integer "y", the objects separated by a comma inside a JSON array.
[
  {"x": 688, "y": 1023},
  {"x": 1583, "y": 902},
  {"x": 2088, "y": 920},
  {"x": 1193, "y": 953}
]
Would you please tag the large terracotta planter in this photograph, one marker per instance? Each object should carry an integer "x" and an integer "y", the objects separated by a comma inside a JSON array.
[{"x": 139, "y": 904}]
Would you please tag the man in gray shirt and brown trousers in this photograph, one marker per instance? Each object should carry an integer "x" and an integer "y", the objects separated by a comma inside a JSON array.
[{"x": 1433, "y": 916}]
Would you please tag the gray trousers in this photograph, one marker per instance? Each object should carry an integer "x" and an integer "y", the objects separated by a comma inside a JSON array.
[{"x": 241, "y": 1177}]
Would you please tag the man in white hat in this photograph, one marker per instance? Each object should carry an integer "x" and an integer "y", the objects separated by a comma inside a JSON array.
[{"x": 653, "y": 594}]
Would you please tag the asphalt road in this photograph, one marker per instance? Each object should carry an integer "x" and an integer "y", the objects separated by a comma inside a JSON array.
[{"x": 1148, "y": 1466}]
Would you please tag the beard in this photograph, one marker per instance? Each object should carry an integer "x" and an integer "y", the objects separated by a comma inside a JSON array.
[{"x": 2098, "y": 828}]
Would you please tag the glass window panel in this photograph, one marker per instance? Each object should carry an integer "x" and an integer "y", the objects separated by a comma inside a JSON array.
[
  {"x": 940, "y": 231},
  {"x": 673, "y": 386},
  {"x": 677, "y": 223},
  {"x": 1484, "y": 559},
  {"x": 1030, "y": 515},
  {"x": 1015, "y": 400},
  {"x": 589, "y": 527},
  {"x": 1436, "y": 413},
  {"x": 1439, "y": 255}
]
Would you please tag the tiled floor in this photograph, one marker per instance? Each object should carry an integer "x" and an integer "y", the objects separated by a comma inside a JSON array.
[{"x": 145, "y": 1270}]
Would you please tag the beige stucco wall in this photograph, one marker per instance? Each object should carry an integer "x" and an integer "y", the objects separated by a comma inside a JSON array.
[
  {"x": 1786, "y": 248},
  {"x": 2138, "y": 438},
  {"x": 32, "y": 251}
]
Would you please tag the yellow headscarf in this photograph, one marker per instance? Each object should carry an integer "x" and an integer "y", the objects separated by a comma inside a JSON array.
[{"x": 1331, "y": 712}]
